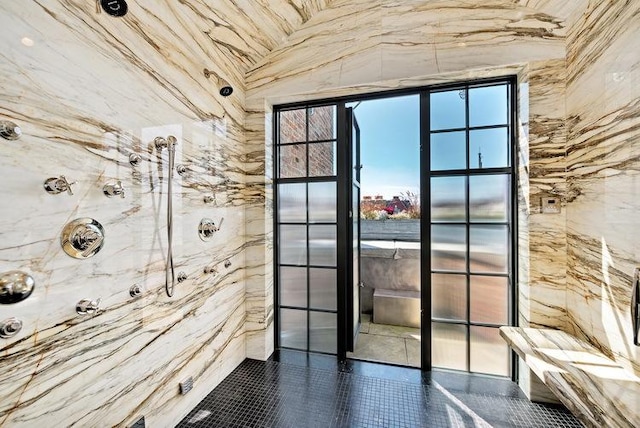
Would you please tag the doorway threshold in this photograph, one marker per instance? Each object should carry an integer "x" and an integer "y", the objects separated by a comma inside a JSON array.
[{"x": 387, "y": 344}]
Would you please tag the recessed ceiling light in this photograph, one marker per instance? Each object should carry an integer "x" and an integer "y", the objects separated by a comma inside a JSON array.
[{"x": 27, "y": 41}]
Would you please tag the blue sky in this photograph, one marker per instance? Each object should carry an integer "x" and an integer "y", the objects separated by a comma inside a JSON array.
[
  {"x": 390, "y": 145},
  {"x": 390, "y": 138}
]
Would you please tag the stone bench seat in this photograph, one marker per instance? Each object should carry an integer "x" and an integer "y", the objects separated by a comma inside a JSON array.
[
  {"x": 598, "y": 391},
  {"x": 396, "y": 307}
]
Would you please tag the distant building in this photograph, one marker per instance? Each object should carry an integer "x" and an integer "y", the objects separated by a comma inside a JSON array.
[{"x": 378, "y": 203}]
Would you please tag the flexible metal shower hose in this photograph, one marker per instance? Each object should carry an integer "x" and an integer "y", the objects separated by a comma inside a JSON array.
[{"x": 170, "y": 272}]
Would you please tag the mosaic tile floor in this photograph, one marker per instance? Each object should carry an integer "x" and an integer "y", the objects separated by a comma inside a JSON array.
[{"x": 299, "y": 390}]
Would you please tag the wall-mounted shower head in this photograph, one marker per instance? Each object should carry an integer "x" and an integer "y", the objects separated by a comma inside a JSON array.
[{"x": 224, "y": 87}]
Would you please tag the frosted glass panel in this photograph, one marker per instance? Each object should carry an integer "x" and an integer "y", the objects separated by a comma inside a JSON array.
[
  {"x": 488, "y": 249},
  {"x": 488, "y": 106},
  {"x": 322, "y": 159},
  {"x": 448, "y": 151},
  {"x": 489, "y": 148},
  {"x": 449, "y": 346},
  {"x": 322, "y": 202},
  {"x": 449, "y": 296},
  {"x": 489, "y": 299},
  {"x": 293, "y": 125},
  {"x": 489, "y": 198},
  {"x": 448, "y": 199},
  {"x": 322, "y": 123},
  {"x": 448, "y": 110},
  {"x": 489, "y": 351},
  {"x": 323, "y": 331},
  {"x": 293, "y": 328},
  {"x": 323, "y": 289},
  {"x": 448, "y": 248},
  {"x": 293, "y": 161},
  {"x": 293, "y": 203},
  {"x": 293, "y": 286},
  {"x": 293, "y": 245},
  {"x": 322, "y": 245}
]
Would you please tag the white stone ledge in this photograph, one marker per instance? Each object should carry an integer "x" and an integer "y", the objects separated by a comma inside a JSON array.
[{"x": 597, "y": 390}]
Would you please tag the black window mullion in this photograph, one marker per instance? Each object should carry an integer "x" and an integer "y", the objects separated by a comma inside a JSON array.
[{"x": 468, "y": 226}]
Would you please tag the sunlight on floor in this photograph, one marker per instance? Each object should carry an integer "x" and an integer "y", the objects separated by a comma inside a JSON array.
[{"x": 387, "y": 343}]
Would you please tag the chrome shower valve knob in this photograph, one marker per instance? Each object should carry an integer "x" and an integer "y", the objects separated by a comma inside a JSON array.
[
  {"x": 10, "y": 327},
  {"x": 55, "y": 185},
  {"x": 9, "y": 130},
  {"x": 88, "y": 307},
  {"x": 113, "y": 189}
]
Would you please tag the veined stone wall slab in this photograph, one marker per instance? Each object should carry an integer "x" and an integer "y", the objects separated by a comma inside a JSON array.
[{"x": 603, "y": 104}]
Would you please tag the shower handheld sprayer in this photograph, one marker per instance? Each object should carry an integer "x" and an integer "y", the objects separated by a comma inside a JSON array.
[{"x": 170, "y": 144}]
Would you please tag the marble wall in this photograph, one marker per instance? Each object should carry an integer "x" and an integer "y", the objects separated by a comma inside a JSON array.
[
  {"x": 603, "y": 164},
  {"x": 367, "y": 46},
  {"x": 88, "y": 90}
]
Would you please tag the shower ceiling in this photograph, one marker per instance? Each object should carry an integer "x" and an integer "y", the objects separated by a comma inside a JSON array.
[{"x": 248, "y": 30}]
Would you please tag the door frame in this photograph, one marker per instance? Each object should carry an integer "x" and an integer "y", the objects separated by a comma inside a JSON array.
[{"x": 425, "y": 197}]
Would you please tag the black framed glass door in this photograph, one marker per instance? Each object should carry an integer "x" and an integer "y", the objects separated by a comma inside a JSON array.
[
  {"x": 354, "y": 274},
  {"x": 306, "y": 229},
  {"x": 469, "y": 177},
  {"x": 467, "y": 229}
]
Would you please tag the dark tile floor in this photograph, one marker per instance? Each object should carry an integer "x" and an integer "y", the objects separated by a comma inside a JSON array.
[{"x": 299, "y": 390}]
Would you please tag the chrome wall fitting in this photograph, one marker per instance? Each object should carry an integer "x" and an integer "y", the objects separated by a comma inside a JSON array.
[
  {"x": 207, "y": 228},
  {"x": 135, "y": 159},
  {"x": 227, "y": 264},
  {"x": 55, "y": 185},
  {"x": 208, "y": 199},
  {"x": 9, "y": 130},
  {"x": 210, "y": 269},
  {"x": 15, "y": 286},
  {"x": 10, "y": 327},
  {"x": 88, "y": 307},
  {"x": 113, "y": 189},
  {"x": 182, "y": 277},
  {"x": 135, "y": 291},
  {"x": 181, "y": 170},
  {"x": 82, "y": 238}
]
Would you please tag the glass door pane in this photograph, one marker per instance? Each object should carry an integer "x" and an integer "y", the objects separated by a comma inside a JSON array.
[
  {"x": 470, "y": 173},
  {"x": 306, "y": 228}
]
